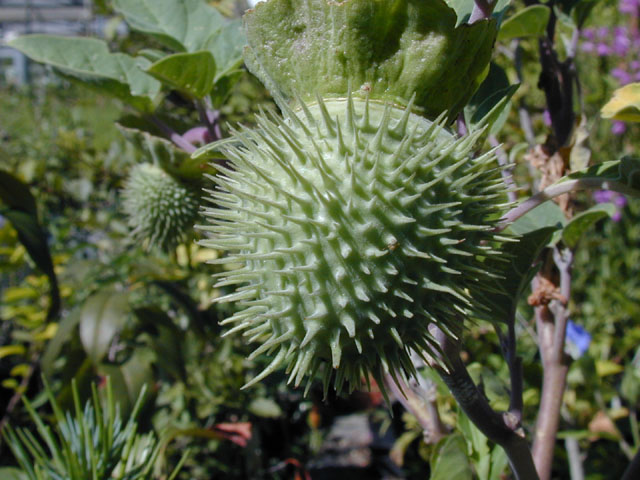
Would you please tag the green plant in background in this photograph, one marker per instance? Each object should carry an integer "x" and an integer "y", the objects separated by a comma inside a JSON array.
[
  {"x": 359, "y": 227},
  {"x": 93, "y": 442}
]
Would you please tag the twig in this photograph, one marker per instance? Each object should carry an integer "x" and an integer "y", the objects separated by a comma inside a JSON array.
[
  {"x": 496, "y": 427},
  {"x": 561, "y": 188}
]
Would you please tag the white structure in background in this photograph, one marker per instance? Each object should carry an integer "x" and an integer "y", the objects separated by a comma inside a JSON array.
[{"x": 55, "y": 17}]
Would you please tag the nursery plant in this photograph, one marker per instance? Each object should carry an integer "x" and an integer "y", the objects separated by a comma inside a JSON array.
[{"x": 367, "y": 225}]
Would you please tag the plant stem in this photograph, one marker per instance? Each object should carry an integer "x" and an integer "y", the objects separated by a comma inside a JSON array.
[
  {"x": 172, "y": 135},
  {"x": 421, "y": 404},
  {"x": 500, "y": 429},
  {"x": 551, "y": 326},
  {"x": 568, "y": 186},
  {"x": 575, "y": 462}
]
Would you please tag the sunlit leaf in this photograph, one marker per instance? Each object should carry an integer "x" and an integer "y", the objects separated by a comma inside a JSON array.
[
  {"x": 89, "y": 61},
  {"x": 183, "y": 26},
  {"x": 624, "y": 105},
  {"x": 527, "y": 22},
  {"x": 190, "y": 73}
]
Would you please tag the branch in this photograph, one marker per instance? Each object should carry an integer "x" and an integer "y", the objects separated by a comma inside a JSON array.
[
  {"x": 567, "y": 186},
  {"x": 551, "y": 322},
  {"x": 496, "y": 427},
  {"x": 420, "y": 403}
]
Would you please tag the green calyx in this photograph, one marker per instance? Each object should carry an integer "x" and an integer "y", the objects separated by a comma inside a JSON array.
[
  {"x": 352, "y": 226},
  {"x": 380, "y": 49},
  {"x": 161, "y": 209}
]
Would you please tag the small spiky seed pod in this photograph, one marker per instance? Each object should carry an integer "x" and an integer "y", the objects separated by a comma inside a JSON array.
[
  {"x": 160, "y": 208},
  {"x": 355, "y": 225}
]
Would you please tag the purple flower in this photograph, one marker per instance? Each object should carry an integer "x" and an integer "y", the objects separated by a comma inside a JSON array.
[
  {"x": 634, "y": 65},
  {"x": 578, "y": 340},
  {"x": 603, "y": 196},
  {"x": 620, "y": 200},
  {"x": 621, "y": 42},
  {"x": 621, "y": 75},
  {"x": 618, "y": 128},
  {"x": 603, "y": 49},
  {"x": 546, "y": 117},
  {"x": 606, "y": 196},
  {"x": 629, "y": 6},
  {"x": 588, "y": 33},
  {"x": 588, "y": 47},
  {"x": 603, "y": 32}
]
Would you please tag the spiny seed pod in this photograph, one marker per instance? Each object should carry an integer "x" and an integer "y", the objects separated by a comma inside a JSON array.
[
  {"x": 352, "y": 224},
  {"x": 160, "y": 208}
]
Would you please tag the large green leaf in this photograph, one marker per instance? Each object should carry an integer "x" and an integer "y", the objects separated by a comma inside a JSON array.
[
  {"x": 183, "y": 25},
  {"x": 528, "y": 22},
  {"x": 19, "y": 207},
  {"x": 101, "y": 317},
  {"x": 89, "y": 61},
  {"x": 189, "y": 73},
  {"x": 226, "y": 46},
  {"x": 578, "y": 225}
]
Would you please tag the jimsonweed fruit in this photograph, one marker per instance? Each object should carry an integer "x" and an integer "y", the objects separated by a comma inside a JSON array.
[
  {"x": 161, "y": 209},
  {"x": 352, "y": 224}
]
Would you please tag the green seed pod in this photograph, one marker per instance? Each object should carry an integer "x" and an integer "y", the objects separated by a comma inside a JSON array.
[
  {"x": 353, "y": 224},
  {"x": 160, "y": 208},
  {"x": 356, "y": 225}
]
